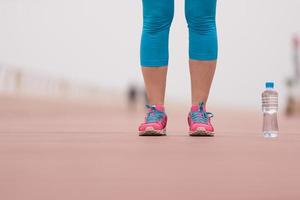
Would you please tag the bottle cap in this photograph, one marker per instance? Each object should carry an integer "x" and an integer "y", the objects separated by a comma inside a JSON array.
[{"x": 270, "y": 85}]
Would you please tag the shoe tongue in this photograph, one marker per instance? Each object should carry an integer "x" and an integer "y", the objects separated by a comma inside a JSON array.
[
  {"x": 195, "y": 108},
  {"x": 158, "y": 107}
]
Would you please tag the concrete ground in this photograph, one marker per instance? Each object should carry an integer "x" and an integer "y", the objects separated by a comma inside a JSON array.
[{"x": 58, "y": 150}]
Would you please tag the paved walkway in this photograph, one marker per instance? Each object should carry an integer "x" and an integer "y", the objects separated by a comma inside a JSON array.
[{"x": 54, "y": 150}]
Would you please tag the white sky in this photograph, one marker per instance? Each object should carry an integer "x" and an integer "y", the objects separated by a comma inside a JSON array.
[{"x": 98, "y": 41}]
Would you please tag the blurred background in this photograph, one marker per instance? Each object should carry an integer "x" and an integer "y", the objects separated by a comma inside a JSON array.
[
  {"x": 72, "y": 96},
  {"x": 88, "y": 49}
]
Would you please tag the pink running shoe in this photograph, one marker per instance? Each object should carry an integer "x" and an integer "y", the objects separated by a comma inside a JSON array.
[
  {"x": 199, "y": 121},
  {"x": 155, "y": 122}
]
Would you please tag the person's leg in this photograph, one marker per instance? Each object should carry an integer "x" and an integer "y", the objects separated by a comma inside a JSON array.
[
  {"x": 203, "y": 51},
  {"x": 155, "y": 84},
  {"x": 203, "y": 46},
  {"x": 202, "y": 73},
  {"x": 157, "y": 17}
]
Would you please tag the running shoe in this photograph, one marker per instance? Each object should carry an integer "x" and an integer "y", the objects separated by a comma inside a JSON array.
[
  {"x": 155, "y": 121},
  {"x": 199, "y": 121}
]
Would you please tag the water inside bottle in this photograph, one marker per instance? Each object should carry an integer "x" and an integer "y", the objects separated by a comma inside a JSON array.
[{"x": 270, "y": 125}]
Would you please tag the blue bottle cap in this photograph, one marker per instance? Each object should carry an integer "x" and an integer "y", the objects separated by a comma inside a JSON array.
[{"x": 270, "y": 85}]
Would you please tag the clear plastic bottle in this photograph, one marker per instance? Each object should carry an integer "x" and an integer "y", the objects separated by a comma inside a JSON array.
[{"x": 270, "y": 109}]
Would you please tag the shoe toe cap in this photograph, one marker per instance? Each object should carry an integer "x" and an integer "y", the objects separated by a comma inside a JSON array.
[
  {"x": 155, "y": 126},
  {"x": 196, "y": 126}
]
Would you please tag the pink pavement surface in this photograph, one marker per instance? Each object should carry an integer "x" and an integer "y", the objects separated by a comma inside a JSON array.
[{"x": 59, "y": 150}]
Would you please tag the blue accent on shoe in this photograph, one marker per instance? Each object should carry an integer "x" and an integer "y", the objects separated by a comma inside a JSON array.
[
  {"x": 201, "y": 116},
  {"x": 155, "y": 115}
]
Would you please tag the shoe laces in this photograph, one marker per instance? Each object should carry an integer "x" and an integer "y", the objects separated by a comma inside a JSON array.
[
  {"x": 153, "y": 115},
  {"x": 200, "y": 115}
]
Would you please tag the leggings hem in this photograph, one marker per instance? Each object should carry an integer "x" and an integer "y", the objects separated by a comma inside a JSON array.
[
  {"x": 154, "y": 63},
  {"x": 204, "y": 57}
]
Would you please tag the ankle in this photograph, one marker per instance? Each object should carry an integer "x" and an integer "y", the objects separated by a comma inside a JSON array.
[
  {"x": 197, "y": 106},
  {"x": 159, "y": 107}
]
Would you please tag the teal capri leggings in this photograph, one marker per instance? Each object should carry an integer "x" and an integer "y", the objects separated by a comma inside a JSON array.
[{"x": 157, "y": 19}]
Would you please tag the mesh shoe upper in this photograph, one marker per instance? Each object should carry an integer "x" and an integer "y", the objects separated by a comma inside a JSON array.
[
  {"x": 155, "y": 118},
  {"x": 198, "y": 117}
]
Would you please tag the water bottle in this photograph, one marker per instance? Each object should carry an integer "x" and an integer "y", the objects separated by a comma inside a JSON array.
[{"x": 270, "y": 109}]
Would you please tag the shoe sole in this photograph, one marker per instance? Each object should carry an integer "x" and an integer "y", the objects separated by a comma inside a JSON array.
[
  {"x": 201, "y": 132},
  {"x": 150, "y": 131}
]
